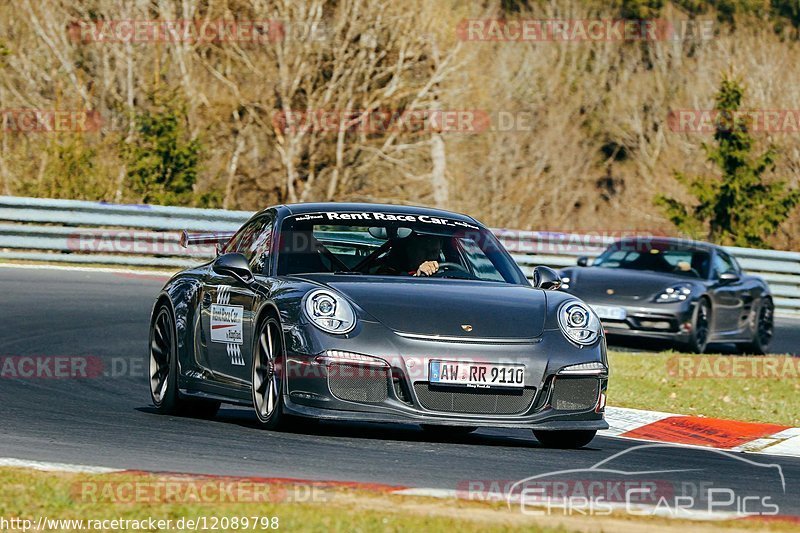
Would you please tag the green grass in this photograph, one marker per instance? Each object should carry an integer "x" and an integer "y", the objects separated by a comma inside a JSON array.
[{"x": 654, "y": 381}]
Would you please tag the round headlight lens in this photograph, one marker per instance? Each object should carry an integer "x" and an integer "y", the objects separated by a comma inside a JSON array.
[
  {"x": 329, "y": 312},
  {"x": 577, "y": 317},
  {"x": 324, "y": 305},
  {"x": 578, "y": 323}
]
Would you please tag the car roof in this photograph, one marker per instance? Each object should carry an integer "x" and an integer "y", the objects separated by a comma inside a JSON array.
[
  {"x": 358, "y": 207},
  {"x": 658, "y": 242}
]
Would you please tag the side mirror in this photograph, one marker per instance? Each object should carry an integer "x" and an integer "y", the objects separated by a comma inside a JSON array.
[
  {"x": 729, "y": 277},
  {"x": 234, "y": 265},
  {"x": 583, "y": 261},
  {"x": 546, "y": 278}
]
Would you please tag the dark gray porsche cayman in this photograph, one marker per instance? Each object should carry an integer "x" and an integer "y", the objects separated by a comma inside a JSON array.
[
  {"x": 689, "y": 292},
  {"x": 377, "y": 313}
]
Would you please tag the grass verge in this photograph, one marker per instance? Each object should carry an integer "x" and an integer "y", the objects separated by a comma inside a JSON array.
[{"x": 752, "y": 389}]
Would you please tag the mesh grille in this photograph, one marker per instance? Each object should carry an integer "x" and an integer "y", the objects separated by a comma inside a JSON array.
[
  {"x": 575, "y": 394},
  {"x": 358, "y": 383},
  {"x": 475, "y": 401}
]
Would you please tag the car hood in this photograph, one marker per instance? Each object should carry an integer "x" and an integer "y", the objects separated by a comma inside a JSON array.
[
  {"x": 443, "y": 306},
  {"x": 638, "y": 285}
]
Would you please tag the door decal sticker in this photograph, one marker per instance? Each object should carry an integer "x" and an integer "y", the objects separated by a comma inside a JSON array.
[{"x": 226, "y": 324}]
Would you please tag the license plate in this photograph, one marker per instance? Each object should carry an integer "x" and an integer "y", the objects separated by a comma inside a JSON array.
[
  {"x": 609, "y": 312},
  {"x": 476, "y": 375}
]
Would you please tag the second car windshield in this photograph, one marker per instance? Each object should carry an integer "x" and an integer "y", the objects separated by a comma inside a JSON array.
[
  {"x": 404, "y": 245},
  {"x": 675, "y": 260}
]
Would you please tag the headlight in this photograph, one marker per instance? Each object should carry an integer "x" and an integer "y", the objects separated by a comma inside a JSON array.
[
  {"x": 339, "y": 356},
  {"x": 676, "y": 293},
  {"x": 329, "y": 312},
  {"x": 584, "y": 369},
  {"x": 565, "y": 282},
  {"x": 578, "y": 322}
]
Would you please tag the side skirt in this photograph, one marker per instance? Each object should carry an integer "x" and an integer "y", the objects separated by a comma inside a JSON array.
[{"x": 215, "y": 391}]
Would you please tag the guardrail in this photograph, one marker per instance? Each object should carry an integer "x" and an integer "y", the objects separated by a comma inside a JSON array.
[{"x": 71, "y": 231}]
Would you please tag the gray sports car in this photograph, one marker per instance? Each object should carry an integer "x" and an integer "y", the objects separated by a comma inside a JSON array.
[
  {"x": 689, "y": 292},
  {"x": 377, "y": 313}
]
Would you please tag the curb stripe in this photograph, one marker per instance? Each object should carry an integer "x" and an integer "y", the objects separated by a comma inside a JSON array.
[
  {"x": 712, "y": 432},
  {"x": 623, "y": 420},
  {"x": 655, "y": 426}
]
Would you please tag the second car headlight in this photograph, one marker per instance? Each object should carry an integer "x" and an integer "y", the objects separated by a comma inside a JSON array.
[
  {"x": 578, "y": 323},
  {"x": 676, "y": 293},
  {"x": 329, "y": 312}
]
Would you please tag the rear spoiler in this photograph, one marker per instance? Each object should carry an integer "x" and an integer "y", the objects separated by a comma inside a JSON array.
[{"x": 194, "y": 239}]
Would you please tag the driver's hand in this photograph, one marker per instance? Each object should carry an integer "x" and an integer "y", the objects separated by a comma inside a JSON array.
[{"x": 428, "y": 268}]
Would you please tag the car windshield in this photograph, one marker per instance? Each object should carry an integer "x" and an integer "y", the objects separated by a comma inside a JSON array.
[
  {"x": 389, "y": 244},
  {"x": 656, "y": 257}
]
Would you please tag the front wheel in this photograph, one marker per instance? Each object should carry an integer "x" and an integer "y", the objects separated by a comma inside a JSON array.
[
  {"x": 701, "y": 328},
  {"x": 267, "y": 382},
  {"x": 762, "y": 336},
  {"x": 568, "y": 439}
]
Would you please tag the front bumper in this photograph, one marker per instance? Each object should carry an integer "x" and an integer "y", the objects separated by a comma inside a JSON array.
[
  {"x": 669, "y": 322},
  {"x": 402, "y": 393}
]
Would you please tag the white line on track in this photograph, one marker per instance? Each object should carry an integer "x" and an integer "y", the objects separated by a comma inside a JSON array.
[{"x": 55, "y": 467}]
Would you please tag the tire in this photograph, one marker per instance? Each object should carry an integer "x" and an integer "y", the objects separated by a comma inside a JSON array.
[
  {"x": 164, "y": 372},
  {"x": 701, "y": 328},
  {"x": 267, "y": 375},
  {"x": 765, "y": 328},
  {"x": 566, "y": 440},
  {"x": 447, "y": 431}
]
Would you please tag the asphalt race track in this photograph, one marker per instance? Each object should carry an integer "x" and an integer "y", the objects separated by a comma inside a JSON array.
[{"x": 108, "y": 421}]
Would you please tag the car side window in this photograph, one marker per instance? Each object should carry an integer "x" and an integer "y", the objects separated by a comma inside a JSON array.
[
  {"x": 723, "y": 264},
  {"x": 253, "y": 240},
  {"x": 259, "y": 249}
]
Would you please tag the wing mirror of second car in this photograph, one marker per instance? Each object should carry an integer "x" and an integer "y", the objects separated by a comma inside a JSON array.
[
  {"x": 234, "y": 265},
  {"x": 546, "y": 278},
  {"x": 729, "y": 277},
  {"x": 583, "y": 261}
]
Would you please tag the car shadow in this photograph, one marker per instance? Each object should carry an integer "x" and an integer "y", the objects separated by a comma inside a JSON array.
[
  {"x": 508, "y": 438},
  {"x": 500, "y": 437}
]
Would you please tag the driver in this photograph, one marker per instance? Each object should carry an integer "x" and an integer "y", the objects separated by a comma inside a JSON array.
[{"x": 415, "y": 255}]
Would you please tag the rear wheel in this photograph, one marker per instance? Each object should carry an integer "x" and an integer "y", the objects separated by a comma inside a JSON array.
[
  {"x": 701, "y": 328},
  {"x": 568, "y": 439},
  {"x": 267, "y": 380},
  {"x": 764, "y": 330},
  {"x": 447, "y": 431},
  {"x": 164, "y": 371}
]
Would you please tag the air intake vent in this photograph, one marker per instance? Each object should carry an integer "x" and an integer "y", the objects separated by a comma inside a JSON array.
[
  {"x": 474, "y": 401},
  {"x": 575, "y": 394},
  {"x": 358, "y": 383}
]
